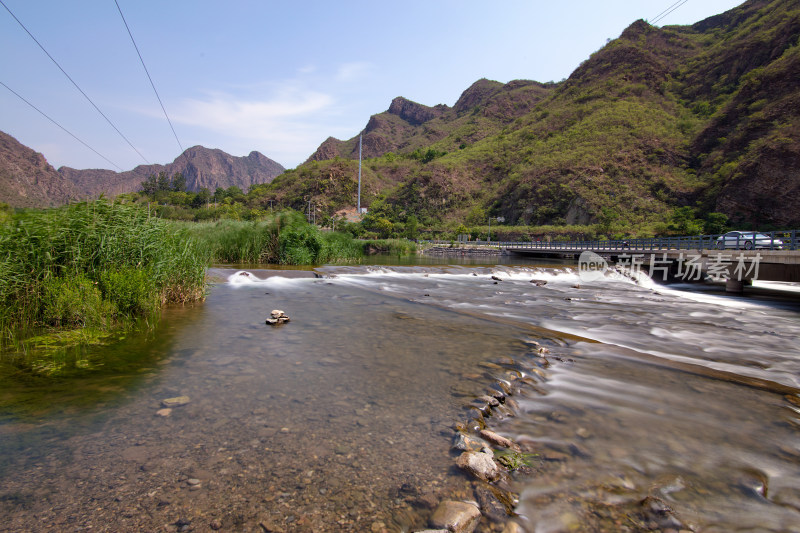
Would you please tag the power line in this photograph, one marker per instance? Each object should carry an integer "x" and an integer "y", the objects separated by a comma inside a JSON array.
[
  {"x": 670, "y": 7},
  {"x": 661, "y": 16},
  {"x": 659, "y": 19},
  {"x": 73, "y": 82},
  {"x": 59, "y": 125},
  {"x": 148, "y": 75}
]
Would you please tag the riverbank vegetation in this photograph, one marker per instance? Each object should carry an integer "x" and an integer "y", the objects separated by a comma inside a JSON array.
[
  {"x": 92, "y": 265},
  {"x": 90, "y": 268},
  {"x": 284, "y": 238},
  {"x": 385, "y": 220}
]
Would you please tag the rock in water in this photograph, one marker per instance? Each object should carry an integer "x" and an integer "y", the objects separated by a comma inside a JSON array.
[
  {"x": 480, "y": 465},
  {"x": 512, "y": 527},
  {"x": 457, "y": 517},
  {"x": 277, "y": 317},
  {"x": 496, "y": 439},
  {"x": 175, "y": 402},
  {"x": 468, "y": 443},
  {"x": 490, "y": 505}
]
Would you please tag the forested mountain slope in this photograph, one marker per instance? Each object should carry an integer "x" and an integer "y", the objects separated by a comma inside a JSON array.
[{"x": 704, "y": 115}]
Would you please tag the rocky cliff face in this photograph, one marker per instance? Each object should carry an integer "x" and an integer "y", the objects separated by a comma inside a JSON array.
[
  {"x": 27, "y": 179},
  {"x": 407, "y": 125},
  {"x": 414, "y": 113},
  {"x": 202, "y": 168}
]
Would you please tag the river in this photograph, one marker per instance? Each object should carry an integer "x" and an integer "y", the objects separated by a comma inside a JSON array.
[{"x": 636, "y": 407}]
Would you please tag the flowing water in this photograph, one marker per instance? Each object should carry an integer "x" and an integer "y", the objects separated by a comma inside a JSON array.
[{"x": 636, "y": 407}]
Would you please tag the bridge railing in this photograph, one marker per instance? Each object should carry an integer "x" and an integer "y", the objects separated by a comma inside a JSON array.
[{"x": 745, "y": 240}]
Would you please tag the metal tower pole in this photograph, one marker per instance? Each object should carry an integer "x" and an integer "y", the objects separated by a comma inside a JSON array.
[{"x": 359, "y": 174}]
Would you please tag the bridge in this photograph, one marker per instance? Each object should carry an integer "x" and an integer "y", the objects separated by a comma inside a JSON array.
[{"x": 736, "y": 260}]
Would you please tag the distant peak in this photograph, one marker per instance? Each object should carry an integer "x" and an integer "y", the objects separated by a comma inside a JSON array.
[
  {"x": 636, "y": 29},
  {"x": 476, "y": 94},
  {"x": 414, "y": 113}
]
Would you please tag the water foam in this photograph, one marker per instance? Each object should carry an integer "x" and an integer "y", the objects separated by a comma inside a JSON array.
[{"x": 244, "y": 278}]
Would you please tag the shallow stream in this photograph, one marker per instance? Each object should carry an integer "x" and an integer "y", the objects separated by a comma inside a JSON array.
[{"x": 653, "y": 408}]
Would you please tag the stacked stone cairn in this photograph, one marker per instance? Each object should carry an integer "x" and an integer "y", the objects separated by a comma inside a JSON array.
[{"x": 277, "y": 317}]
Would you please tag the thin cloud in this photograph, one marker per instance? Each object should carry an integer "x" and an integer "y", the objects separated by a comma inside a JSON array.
[
  {"x": 285, "y": 127},
  {"x": 285, "y": 121},
  {"x": 225, "y": 111},
  {"x": 349, "y": 72}
]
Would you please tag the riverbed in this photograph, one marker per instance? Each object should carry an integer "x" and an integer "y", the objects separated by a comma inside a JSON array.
[{"x": 637, "y": 407}]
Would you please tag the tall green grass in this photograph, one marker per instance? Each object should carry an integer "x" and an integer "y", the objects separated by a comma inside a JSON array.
[
  {"x": 93, "y": 264},
  {"x": 390, "y": 246},
  {"x": 284, "y": 239}
]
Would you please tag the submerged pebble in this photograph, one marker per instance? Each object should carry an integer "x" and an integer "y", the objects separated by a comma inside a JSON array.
[
  {"x": 175, "y": 402},
  {"x": 456, "y": 517}
]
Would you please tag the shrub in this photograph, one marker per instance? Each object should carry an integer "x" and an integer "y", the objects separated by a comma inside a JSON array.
[
  {"x": 300, "y": 245},
  {"x": 285, "y": 238},
  {"x": 74, "y": 301},
  {"x": 337, "y": 247},
  {"x": 133, "y": 291}
]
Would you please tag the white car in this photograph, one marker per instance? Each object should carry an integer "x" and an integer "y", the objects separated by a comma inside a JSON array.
[{"x": 747, "y": 240}]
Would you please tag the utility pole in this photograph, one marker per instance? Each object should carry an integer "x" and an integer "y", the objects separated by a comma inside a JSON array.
[{"x": 359, "y": 174}]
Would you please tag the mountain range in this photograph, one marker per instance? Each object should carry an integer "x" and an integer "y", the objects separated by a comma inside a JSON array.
[
  {"x": 706, "y": 116},
  {"x": 27, "y": 180}
]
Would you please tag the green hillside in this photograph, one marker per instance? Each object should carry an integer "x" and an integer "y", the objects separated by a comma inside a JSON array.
[{"x": 706, "y": 116}]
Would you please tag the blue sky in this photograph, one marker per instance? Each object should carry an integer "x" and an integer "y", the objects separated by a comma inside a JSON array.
[{"x": 277, "y": 77}]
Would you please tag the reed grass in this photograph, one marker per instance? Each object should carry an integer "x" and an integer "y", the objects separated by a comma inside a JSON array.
[
  {"x": 94, "y": 264},
  {"x": 285, "y": 238}
]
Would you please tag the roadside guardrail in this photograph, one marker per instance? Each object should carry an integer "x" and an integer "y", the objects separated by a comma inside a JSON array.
[{"x": 744, "y": 240}]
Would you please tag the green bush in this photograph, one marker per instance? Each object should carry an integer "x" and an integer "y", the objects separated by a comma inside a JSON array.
[
  {"x": 339, "y": 247},
  {"x": 285, "y": 238},
  {"x": 300, "y": 245},
  {"x": 133, "y": 291},
  {"x": 75, "y": 301}
]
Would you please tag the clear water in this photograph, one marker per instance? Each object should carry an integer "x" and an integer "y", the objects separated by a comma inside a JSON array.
[{"x": 341, "y": 420}]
